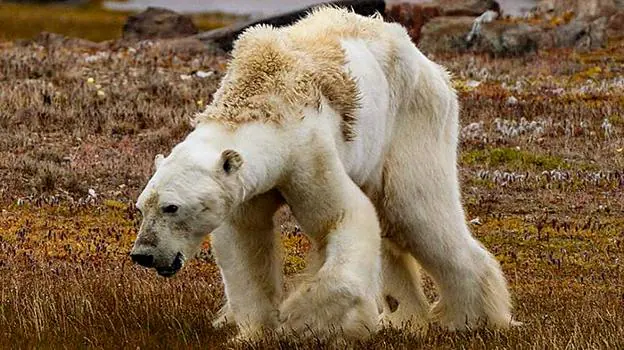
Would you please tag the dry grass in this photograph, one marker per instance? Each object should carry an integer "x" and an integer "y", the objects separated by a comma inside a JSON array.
[
  {"x": 548, "y": 195},
  {"x": 89, "y": 21}
]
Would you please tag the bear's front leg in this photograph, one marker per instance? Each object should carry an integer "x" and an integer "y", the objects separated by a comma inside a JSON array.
[
  {"x": 247, "y": 250},
  {"x": 341, "y": 291}
]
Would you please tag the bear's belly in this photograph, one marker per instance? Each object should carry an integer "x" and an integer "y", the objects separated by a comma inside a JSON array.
[{"x": 362, "y": 157}]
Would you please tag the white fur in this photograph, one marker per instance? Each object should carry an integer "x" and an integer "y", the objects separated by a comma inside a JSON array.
[{"x": 400, "y": 171}]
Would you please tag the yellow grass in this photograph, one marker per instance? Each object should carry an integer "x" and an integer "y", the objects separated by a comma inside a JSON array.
[{"x": 549, "y": 204}]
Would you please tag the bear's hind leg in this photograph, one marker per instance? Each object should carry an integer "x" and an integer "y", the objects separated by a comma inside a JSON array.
[
  {"x": 405, "y": 303},
  {"x": 247, "y": 250},
  {"x": 422, "y": 200}
]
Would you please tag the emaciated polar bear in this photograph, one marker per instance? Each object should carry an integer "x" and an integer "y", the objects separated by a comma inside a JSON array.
[{"x": 341, "y": 117}]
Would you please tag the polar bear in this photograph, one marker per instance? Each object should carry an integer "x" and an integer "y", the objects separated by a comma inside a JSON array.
[{"x": 343, "y": 119}]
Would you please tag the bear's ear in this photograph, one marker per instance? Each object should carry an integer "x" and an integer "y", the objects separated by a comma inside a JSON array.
[
  {"x": 158, "y": 161},
  {"x": 231, "y": 161}
]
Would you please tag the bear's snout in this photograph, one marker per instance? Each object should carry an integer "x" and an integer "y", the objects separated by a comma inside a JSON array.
[
  {"x": 145, "y": 260},
  {"x": 165, "y": 264},
  {"x": 175, "y": 266}
]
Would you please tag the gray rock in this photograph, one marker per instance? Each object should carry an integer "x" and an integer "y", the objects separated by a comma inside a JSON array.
[
  {"x": 448, "y": 34},
  {"x": 582, "y": 34},
  {"x": 503, "y": 39},
  {"x": 158, "y": 23}
]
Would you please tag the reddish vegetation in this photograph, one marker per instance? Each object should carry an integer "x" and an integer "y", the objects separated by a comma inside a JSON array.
[{"x": 544, "y": 180}]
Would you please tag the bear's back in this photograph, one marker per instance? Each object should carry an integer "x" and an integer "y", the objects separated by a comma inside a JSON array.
[{"x": 275, "y": 72}]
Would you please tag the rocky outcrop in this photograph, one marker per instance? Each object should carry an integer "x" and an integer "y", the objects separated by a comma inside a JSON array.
[
  {"x": 158, "y": 23},
  {"x": 452, "y": 17},
  {"x": 439, "y": 26},
  {"x": 450, "y": 34}
]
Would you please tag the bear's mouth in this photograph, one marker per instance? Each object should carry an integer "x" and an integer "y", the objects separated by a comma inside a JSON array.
[{"x": 175, "y": 266}]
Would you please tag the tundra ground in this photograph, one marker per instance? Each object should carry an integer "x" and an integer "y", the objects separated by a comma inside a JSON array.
[{"x": 541, "y": 168}]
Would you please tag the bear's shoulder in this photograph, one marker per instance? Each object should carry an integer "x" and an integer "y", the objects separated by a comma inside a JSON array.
[{"x": 275, "y": 72}]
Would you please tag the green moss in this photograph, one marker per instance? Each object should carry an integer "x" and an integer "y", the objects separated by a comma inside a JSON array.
[{"x": 512, "y": 159}]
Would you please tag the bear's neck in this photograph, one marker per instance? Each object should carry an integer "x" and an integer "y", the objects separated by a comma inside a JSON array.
[{"x": 262, "y": 148}]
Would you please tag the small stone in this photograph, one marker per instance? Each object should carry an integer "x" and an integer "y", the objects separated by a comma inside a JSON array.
[
  {"x": 511, "y": 101},
  {"x": 473, "y": 83},
  {"x": 476, "y": 221},
  {"x": 201, "y": 74}
]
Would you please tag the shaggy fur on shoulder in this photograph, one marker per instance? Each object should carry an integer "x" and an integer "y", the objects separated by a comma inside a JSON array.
[{"x": 276, "y": 72}]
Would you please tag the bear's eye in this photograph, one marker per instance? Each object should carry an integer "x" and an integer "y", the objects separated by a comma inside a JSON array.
[{"x": 170, "y": 209}]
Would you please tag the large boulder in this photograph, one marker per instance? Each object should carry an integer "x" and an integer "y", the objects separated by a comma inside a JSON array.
[
  {"x": 504, "y": 39},
  {"x": 158, "y": 23},
  {"x": 583, "y": 34},
  {"x": 450, "y": 34}
]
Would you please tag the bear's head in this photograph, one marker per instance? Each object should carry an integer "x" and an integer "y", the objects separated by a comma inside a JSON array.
[{"x": 191, "y": 193}]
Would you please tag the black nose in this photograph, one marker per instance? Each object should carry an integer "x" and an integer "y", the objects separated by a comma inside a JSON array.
[{"x": 143, "y": 260}]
